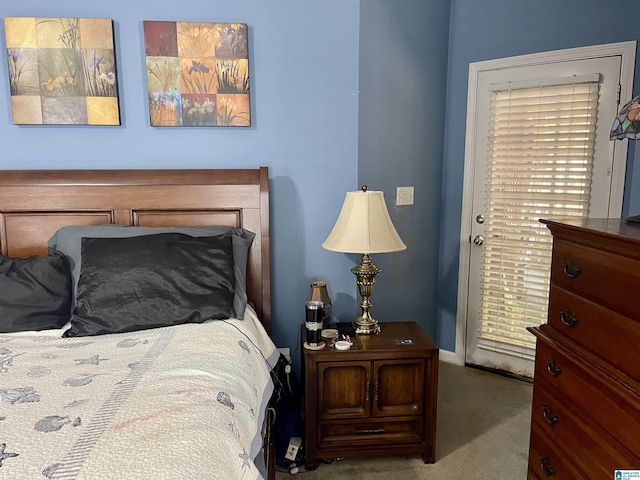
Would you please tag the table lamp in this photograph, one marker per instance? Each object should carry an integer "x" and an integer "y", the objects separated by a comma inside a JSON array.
[{"x": 364, "y": 227}]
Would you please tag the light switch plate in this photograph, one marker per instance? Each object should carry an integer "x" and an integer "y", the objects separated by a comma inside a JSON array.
[{"x": 404, "y": 196}]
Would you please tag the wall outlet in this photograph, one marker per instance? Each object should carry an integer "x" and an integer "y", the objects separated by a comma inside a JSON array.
[
  {"x": 286, "y": 352},
  {"x": 404, "y": 196}
]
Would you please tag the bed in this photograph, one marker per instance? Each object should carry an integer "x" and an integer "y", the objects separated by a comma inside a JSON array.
[{"x": 141, "y": 347}]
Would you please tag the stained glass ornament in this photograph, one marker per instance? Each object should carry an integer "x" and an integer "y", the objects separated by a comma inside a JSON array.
[{"x": 627, "y": 123}]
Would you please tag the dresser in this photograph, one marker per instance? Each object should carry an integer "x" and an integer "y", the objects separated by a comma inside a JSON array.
[
  {"x": 377, "y": 398},
  {"x": 585, "y": 421}
]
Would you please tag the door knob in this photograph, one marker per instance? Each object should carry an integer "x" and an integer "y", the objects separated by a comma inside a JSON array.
[{"x": 479, "y": 240}]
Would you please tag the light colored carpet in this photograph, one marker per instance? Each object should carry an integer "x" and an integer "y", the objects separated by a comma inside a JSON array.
[{"x": 482, "y": 433}]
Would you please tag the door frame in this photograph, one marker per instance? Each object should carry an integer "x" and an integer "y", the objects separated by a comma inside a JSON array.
[{"x": 627, "y": 51}]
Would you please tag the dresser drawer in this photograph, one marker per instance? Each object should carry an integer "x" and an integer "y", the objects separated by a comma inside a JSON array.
[
  {"x": 593, "y": 450},
  {"x": 609, "y": 335},
  {"x": 370, "y": 433},
  {"x": 610, "y": 280},
  {"x": 531, "y": 474},
  {"x": 546, "y": 459},
  {"x": 612, "y": 404}
]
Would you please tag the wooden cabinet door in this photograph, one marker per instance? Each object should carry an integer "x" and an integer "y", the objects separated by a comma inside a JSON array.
[
  {"x": 344, "y": 390},
  {"x": 398, "y": 387}
]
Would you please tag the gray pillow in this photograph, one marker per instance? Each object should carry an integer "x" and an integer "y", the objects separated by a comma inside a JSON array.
[
  {"x": 35, "y": 293},
  {"x": 152, "y": 281},
  {"x": 68, "y": 241}
]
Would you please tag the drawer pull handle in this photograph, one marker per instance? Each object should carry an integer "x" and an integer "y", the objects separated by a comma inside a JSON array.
[
  {"x": 571, "y": 270},
  {"x": 549, "y": 416},
  {"x": 370, "y": 430},
  {"x": 553, "y": 369},
  {"x": 546, "y": 467},
  {"x": 568, "y": 318}
]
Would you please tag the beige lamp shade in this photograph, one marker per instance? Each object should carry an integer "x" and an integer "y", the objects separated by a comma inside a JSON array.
[{"x": 364, "y": 226}]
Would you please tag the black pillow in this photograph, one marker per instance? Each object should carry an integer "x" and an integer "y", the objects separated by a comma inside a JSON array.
[
  {"x": 152, "y": 281},
  {"x": 68, "y": 241},
  {"x": 35, "y": 293}
]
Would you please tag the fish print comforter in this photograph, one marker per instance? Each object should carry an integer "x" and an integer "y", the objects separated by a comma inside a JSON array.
[{"x": 183, "y": 402}]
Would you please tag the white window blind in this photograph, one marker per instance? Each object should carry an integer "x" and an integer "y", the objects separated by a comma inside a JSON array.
[{"x": 540, "y": 157}]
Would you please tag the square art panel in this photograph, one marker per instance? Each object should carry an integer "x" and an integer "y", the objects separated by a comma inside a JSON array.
[
  {"x": 62, "y": 71},
  {"x": 197, "y": 74}
]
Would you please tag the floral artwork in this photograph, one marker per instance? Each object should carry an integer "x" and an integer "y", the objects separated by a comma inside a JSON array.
[
  {"x": 62, "y": 71},
  {"x": 197, "y": 74}
]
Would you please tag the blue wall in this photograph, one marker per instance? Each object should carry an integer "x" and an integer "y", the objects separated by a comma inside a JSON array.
[
  {"x": 344, "y": 92},
  {"x": 304, "y": 74},
  {"x": 490, "y": 29},
  {"x": 403, "y": 73}
]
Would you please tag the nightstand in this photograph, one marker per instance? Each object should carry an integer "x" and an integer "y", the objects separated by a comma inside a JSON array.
[{"x": 377, "y": 398}]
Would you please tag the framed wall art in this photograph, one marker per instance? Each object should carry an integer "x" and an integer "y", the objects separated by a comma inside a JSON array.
[
  {"x": 197, "y": 74},
  {"x": 62, "y": 71}
]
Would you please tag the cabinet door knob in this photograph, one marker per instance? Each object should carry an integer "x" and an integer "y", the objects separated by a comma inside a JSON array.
[
  {"x": 553, "y": 369},
  {"x": 546, "y": 467},
  {"x": 568, "y": 318},
  {"x": 549, "y": 416},
  {"x": 367, "y": 391},
  {"x": 571, "y": 270}
]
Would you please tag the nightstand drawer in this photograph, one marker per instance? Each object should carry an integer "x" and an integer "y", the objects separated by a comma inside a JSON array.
[{"x": 371, "y": 433}]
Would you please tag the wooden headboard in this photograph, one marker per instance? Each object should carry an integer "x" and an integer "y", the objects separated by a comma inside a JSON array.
[{"x": 36, "y": 203}]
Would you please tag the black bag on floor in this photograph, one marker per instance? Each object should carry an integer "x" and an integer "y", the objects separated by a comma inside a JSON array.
[{"x": 286, "y": 402}]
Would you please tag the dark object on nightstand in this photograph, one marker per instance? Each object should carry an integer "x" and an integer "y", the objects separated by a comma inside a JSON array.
[
  {"x": 377, "y": 398},
  {"x": 346, "y": 328},
  {"x": 318, "y": 293}
]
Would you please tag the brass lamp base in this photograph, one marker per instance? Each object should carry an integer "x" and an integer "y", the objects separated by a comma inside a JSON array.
[
  {"x": 365, "y": 326},
  {"x": 365, "y": 273}
]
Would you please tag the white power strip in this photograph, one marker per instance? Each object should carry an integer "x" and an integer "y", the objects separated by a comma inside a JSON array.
[{"x": 292, "y": 449}]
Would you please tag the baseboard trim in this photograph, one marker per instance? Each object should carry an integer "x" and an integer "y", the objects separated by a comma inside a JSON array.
[
  {"x": 451, "y": 357},
  {"x": 502, "y": 373}
]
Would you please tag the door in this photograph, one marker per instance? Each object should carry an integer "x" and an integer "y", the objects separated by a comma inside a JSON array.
[
  {"x": 344, "y": 390},
  {"x": 541, "y": 149},
  {"x": 398, "y": 387}
]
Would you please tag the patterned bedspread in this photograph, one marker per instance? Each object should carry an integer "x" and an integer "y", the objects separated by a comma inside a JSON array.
[{"x": 184, "y": 402}]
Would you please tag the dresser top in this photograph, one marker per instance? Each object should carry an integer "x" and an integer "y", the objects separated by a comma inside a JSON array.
[
  {"x": 605, "y": 226},
  {"x": 614, "y": 234}
]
